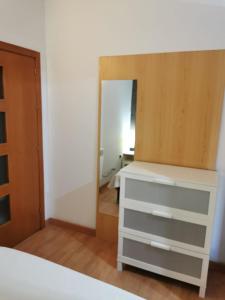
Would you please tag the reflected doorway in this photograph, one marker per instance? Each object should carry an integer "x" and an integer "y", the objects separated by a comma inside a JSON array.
[{"x": 117, "y": 139}]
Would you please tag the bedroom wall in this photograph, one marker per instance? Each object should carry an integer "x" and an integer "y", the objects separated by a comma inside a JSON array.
[
  {"x": 23, "y": 23},
  {"x": 80, "y": 31}
]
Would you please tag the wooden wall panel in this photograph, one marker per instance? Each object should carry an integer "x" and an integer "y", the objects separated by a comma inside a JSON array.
[{"x": 179, "y": 104}]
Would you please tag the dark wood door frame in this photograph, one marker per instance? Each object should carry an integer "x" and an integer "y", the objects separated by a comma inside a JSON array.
[{"x": 36, "y": 56}]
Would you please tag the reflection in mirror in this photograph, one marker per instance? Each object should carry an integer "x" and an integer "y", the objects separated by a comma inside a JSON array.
[{"x": 117, "y": 139}]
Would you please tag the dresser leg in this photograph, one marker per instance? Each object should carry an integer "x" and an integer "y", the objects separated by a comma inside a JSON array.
[
  {"x": 202, "y": 290},
  {"x": 119, "y": 266}
]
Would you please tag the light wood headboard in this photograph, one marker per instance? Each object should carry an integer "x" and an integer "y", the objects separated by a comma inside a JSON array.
[{"x": 179, "y": 104}]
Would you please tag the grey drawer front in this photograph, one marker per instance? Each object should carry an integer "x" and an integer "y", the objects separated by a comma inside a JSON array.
[
  {"x": 180, "y": 231},
  {"x": 166, "y": 195},
  {"x": 169, "y": 260}
]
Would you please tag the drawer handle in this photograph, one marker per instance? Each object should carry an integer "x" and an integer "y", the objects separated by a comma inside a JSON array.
[
  {"x": 160, "y": 246},
  {"x": 162, "y": 214}
]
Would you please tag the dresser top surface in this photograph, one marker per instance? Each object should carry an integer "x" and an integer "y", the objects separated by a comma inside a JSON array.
[{"x": 170, "y": 174}]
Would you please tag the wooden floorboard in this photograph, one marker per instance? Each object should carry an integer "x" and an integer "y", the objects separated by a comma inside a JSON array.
[
  {"x": 108, "y": 201},
  {"x": 96, "y": 258}
]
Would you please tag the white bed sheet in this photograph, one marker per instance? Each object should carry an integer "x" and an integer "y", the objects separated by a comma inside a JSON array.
[{"x": 27, "y": 277}]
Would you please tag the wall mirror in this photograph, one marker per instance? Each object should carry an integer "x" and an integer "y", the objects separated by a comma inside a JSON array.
[
  {"x": 117, "y": 139},
  {"x": 170, "y": 106}
]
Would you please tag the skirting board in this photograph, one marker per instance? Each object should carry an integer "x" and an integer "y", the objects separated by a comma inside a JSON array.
[{"x": 71, "y": 226}]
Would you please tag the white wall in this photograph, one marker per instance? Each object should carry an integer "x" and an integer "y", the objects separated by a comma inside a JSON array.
[
  {"x": 115, "y": 124},
  {"x": 22, "y": 22},
  {"x": 78, "y": 32}
]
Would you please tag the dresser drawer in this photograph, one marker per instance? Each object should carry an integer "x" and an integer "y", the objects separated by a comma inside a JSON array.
[
  {"x": 191, "y": 200},
  {"x": 170, "y": 260},
  {"x": 165, "y": 220},
  {"x": 171, "y": 229}
]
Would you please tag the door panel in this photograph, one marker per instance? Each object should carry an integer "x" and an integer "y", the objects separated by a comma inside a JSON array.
[{"x": 19, "y": 102}]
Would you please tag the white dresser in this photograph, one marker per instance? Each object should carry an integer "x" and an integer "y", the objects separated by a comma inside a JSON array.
[{"x": 165, "y": 220}]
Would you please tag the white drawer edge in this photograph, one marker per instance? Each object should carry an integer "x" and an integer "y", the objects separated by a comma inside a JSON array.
[
  {"x": 176, "y": 249},
  {"x": 172, "y": 182},
  {"x": 177, "y": 214},
  {"x": 159, "y": 270},
  {"x": 152, "y": 237}
]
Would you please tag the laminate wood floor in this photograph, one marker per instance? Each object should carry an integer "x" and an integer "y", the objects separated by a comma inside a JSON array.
[
  {"x": 96, "y": 258},
  {"x": 107, "y": 202}
]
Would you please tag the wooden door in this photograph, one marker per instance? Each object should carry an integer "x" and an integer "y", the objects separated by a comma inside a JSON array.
[{"x": 21, "y": 180}]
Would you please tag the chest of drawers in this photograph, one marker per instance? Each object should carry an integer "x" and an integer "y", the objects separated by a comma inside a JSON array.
[{"x": 165, "y": 220}]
